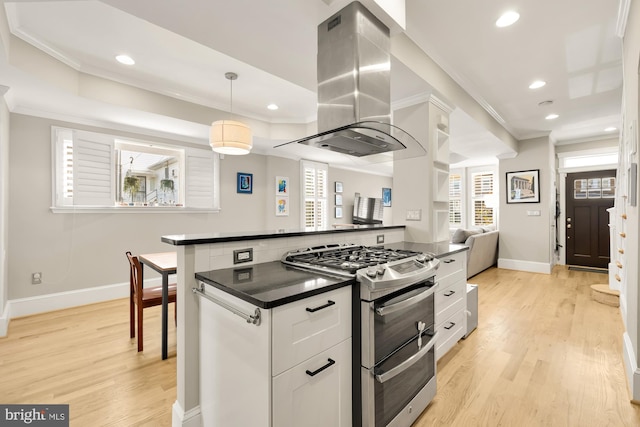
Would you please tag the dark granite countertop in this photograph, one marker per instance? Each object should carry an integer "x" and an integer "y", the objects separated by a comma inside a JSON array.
[
  {"x": 205, "y": 238},
  {"x": 271, "y": 284}
]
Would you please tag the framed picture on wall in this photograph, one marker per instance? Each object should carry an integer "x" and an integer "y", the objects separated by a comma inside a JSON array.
[
  {"x": 386, "y": 197},
  {"x": 338, "y": 187},
  {"x": 282, "y": 186},
  {"x": 338, "y": 199},
  {"x": 338, "y": 211},
  {"x": 245, "y": 183},
  {"x": 282, "y": 206},
  {"x": 523, "y": 186}
]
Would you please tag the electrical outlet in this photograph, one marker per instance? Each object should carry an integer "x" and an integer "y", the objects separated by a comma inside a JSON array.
[
  {"x": 36, "y": 278},
  {"x": 242, "y": 255},
  {"x": 380, "y": 238}
]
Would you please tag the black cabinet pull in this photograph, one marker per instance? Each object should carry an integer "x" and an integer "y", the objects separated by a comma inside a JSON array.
[
  {"x": 449, "y": 261},
  {"x": 317, "y": 371},
  {"x": 328, "y": 304},
  {"x": 450, "y": 326},
  {"x": 448, "y": 294}
]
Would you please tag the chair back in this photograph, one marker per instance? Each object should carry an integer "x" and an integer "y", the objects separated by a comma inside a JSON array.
[{"x": 135, "y": 273}]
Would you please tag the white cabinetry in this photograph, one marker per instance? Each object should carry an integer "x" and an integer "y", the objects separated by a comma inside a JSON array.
[
  {"x": 294, "y": 369},
  {"x": 451, "y": 301}
]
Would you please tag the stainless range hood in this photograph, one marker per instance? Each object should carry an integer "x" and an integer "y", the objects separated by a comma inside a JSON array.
[{"x": 354, "y": 107}]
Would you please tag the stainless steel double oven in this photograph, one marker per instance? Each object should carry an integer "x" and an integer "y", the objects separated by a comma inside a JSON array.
[
  {"x": 397, "y": 372},
  {"x": 394, "y": 368}
]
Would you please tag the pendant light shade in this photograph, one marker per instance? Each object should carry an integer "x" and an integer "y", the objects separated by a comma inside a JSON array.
[{"x": 228, "y": 136}]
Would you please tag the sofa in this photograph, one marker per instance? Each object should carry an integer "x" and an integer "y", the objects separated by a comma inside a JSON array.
[{"x": 483, "y": 247}]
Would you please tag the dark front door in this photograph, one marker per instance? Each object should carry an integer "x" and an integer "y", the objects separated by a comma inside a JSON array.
[{"x": 589, "y": 195}]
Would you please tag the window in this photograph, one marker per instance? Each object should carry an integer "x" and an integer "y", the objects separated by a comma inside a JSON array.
[
  {"x": 93, "y": 170},
  {"x": 455, "y": 199},
  {"x": 482, "y": 198},
  {"x": 315, "y": 177}
]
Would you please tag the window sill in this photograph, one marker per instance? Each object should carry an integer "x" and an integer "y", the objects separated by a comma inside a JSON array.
[{"x": 131, "y": 209}]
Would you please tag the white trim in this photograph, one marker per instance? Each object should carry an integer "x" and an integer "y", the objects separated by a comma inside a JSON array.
[
  {"x": 5, "y": 319},
  {"x": 623, "y": 17},
  {"x": 57, "y": 301},
  {"x": 440, "y": 104},
  {"x": 191, "y": 418},
  {"x": 521, "y": 265},
  {"x": 631, "y": 367},
  {"x": 130, "y": 209}
]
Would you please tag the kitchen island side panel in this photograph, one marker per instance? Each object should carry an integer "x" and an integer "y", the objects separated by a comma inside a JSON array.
[{"x": 235, "y": 366}]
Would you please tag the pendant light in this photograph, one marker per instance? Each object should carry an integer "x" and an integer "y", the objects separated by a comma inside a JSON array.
[{"x": 228, "y": 136}]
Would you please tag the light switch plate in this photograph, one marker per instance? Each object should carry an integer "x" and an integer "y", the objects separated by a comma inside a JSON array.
[
  {"x": 414, "y": 215},
  {"x": 242, "y": 255},
  {"x": 533, "y": 213}
]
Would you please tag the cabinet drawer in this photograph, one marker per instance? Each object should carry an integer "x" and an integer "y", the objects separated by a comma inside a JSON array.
[
  {"x": 317, "y": 392},
  {"x": 449, "y": 333},
  {"x": 450, "y": 299},
  {"x": 451, "y": 264},
  {"x": 304, "y": 328}
]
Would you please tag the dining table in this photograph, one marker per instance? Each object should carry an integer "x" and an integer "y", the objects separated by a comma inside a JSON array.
[{"x": 165, "y": 263}]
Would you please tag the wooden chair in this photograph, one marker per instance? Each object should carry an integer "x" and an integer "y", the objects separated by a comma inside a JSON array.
[{"x": 143, "y": 297}]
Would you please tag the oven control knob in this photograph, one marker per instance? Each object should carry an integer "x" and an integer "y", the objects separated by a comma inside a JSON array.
[
  {"x": 371, "y": 272},
  {"x": 380, "y": 270}
]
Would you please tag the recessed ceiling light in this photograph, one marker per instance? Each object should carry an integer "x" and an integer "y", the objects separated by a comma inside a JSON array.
[
  {"x": 552, "y": 116},
  {"x": 610, "y": 129},
  {"x": 272, "y": 107},
  {"x": 537, "y": 84},
  {"x": 507, "y": 18},
  {"x": 125, "y": 59}
]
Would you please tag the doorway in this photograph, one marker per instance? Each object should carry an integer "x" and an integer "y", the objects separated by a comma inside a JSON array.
[{"x": 588, "y": 196}]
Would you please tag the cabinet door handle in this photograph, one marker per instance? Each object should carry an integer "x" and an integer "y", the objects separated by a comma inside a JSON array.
[
  {"x": 328, "y": 304},
  {"x": 449, "y": 261},
  {"x": 448, "y": 294},
  {"x": 322, "y": 368},
  {"x": 450, "y": 326}
]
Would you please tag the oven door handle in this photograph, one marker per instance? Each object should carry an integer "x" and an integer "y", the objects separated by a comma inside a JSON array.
[
  {"x": 386, "y": 376},
  {"x": 383, "y": 310}
]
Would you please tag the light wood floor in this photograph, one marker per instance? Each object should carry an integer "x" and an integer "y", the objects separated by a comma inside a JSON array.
[
  {"x": 83, "y": 357},
  {"x": 544, "y": 354}
]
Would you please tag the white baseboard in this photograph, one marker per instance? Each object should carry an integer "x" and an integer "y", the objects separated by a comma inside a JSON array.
[
  {"x": 5, "y": 318},
  {"x": 180, "y": 418},
  {"x": 631, "y": 367},
  {"x": 533, "y": 267},
  {"x": 57, "y": 301}
]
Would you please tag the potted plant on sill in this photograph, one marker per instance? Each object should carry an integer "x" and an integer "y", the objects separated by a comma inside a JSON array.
[{"x": 131, "y": 186}]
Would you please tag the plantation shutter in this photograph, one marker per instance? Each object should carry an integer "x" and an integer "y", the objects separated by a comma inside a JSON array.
[
  {"x": 201, "y": 190},
  {"x": 455, "y": 199},
  {"x": 482, "y": 190},
  {"x": 93, "y": 169},
  {"x": 315, "y": 182}
]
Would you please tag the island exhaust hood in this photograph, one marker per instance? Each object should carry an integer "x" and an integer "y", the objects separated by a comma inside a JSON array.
[{"x": 354, "y": 107}]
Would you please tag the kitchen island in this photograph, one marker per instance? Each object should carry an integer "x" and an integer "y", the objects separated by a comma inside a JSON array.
[{"x": 211, "y": 255}]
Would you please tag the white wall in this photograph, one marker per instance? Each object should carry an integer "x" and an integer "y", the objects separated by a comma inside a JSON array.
[
  {"x": 525, "y": 240},
  {"x": 79, "y": 251},
  {"x": 631, "y": 297},
  {"x": 4, "y": 211}
]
